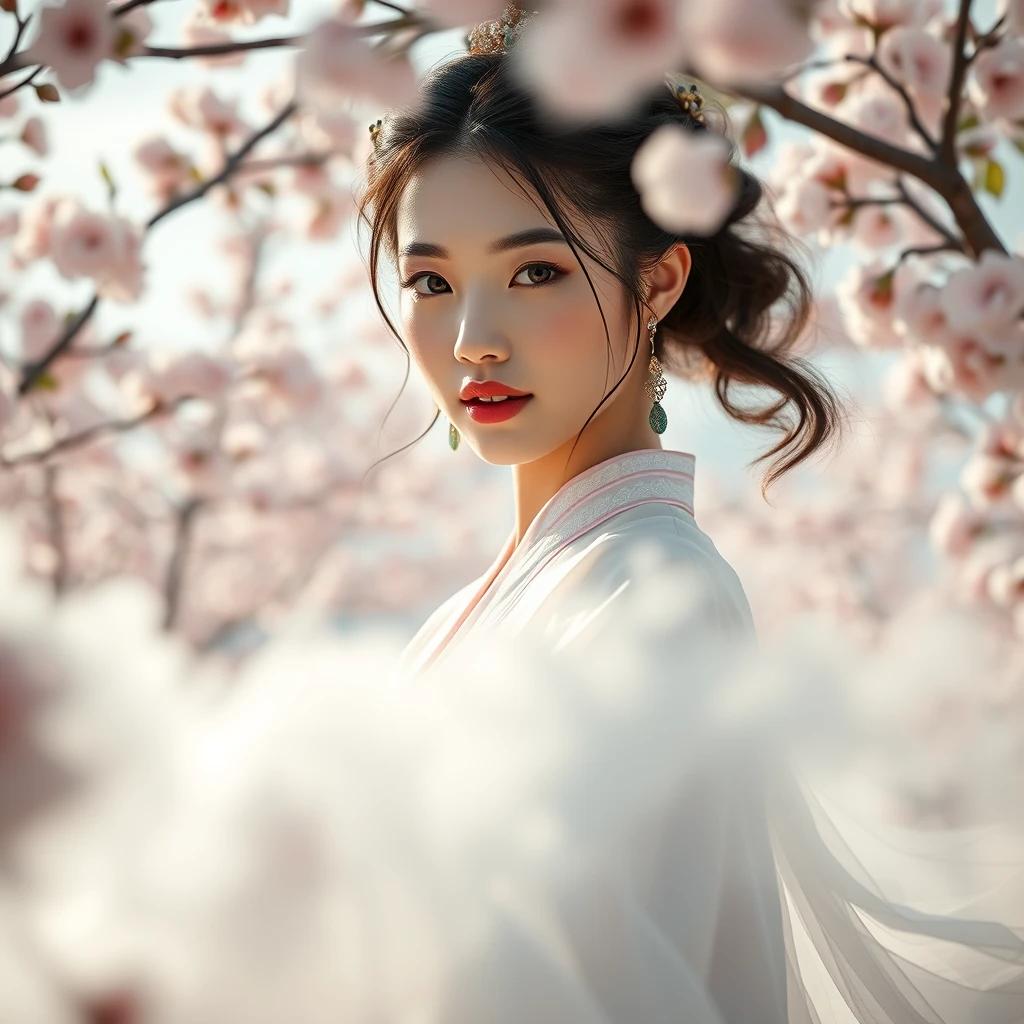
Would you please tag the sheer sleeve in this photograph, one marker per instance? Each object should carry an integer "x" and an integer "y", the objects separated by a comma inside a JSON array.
[{"x": 733, "y": 894}]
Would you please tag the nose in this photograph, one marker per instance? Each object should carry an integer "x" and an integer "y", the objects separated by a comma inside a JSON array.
[{"x": 480, "y": 339}]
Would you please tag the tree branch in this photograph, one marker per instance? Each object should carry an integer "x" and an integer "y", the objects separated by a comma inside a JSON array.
[
  {"x": 915, "y": 121},
  {"x": 184, "y": 522},
  {"x": 943, "y": 177},
  {"x": 33, "y": 371},
  {"x": 947, "y": 146},
  {"x": 90, "y": 434}
]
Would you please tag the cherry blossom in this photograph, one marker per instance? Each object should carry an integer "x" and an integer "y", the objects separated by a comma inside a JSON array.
[
  {"x": 743, "y": 39},
  {"x": 242, "y": 12},
  {"x": 168, "y": 169},
  {"x": 685, "y": 180},
  {"x": 105, "y": 248},
  {"x": 986, "y": 296},
  {"x": 74, "y": 39},
  {"x": 338, "y": 64},
  {"x": 887, "y": 14},
  {"x": 592, "y": 59},
  {"x": 198, "y": 30},
  {"x": 995, "y": 81},
  {"x": 33, "y": 135},
  {"x": 462, "y": 12},
  {"x": 865, "y": 296}
]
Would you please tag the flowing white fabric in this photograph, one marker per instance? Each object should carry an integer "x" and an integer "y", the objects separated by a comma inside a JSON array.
[{"x": 743, "y": 897}]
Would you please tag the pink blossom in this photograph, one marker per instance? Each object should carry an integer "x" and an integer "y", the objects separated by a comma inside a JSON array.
[
  {"x": 1016, "y": 410},
  {"x": 10, "y": 221},
  {"x": 167, "y": 169},
  {"x": 456, "y": 13},
  {"x": 39, "y": 328},
  {"x": 325, "y": 217},
  {"x": 173, "y": 376},
  {"x": 287, "y": 373},
  {"x": 98, "y": 246},
  {"x": 874, "y": 227},
  {"x": 201, "y": 108},
  {"x": 986, "y": 478},
  {"x": 1013, "y": 10},
  {"x": 685, "y": 180},
  {"x": 337, "y": 130},
  {"x": 790, "y": 157},
  {"x": 244, "y": 440},
  {"x": 877, "y": 110},
  {"x": 338, "y": 64},
  {"x": 73, "y": 39},
  {"x": 805, "y": 206},
  {"x": 746, "y": 39},
  {"x": 32, "y": 241},
  {"x": 9, "y": 105},
  {"x": 987, "y": 296},
  {"x": 954, "y": 525},
  {"x": 1017, "y": 492},
  {"x": 905, "y": 385},
  {"x": 133, "y": 29},
  {"x": 242, "y": 12},
  {"x": 312, "y": 179},
  {"x": 826, "y": 88},
  {"x": 916, "y": 58},
  {"x": 590, "y": 59},
  {"x": 197, "y": 30},
  {"x": 962, "y": 364},
  {"x": 887, "y": 14},
  {"x": 917, "y": 308},
  {"x": 995, "y": 81},
  {"x": 865, "y": 297},
  {"x": 33, "y": 135},
  {"x": 1006, "y": 583}
]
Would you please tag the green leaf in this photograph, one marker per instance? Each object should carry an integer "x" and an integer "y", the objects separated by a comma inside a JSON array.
[
  {"x": 46, "y": 382},
  {"x": 995, "y": 177},
  {"x": 106, "y": 176},
  {"x": 970, "y": 121}
]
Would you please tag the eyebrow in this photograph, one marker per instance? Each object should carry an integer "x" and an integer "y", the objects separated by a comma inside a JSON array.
[{"x": 531, "y": 236}]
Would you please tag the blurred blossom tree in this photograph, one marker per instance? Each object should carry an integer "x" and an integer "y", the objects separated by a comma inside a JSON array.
[
  {"x": 119, "y": 457},
  {"x": 226, "y": 480}
]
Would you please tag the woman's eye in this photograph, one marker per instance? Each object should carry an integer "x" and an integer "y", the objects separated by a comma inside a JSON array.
[
  {"x": 426, "y": 275},
  {"x": 531, "y": 281},
  {"x": 542, "y": 267}
]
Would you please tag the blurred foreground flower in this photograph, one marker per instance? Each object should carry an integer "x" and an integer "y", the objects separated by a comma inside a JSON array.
[{"x": 304, "y": 841}]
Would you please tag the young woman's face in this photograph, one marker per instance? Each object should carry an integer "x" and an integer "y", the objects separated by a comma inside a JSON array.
[{"x": 523, "y": 315}]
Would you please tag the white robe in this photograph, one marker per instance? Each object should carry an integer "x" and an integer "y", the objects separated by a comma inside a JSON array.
[{"x": 742, "y": 902}]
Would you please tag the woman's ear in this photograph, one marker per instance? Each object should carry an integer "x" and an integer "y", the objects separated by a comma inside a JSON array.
[{"x": 666, "y": 281}]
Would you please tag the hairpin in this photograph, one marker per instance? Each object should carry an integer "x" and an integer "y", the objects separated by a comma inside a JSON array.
[
  {"x": 690, "y": 101},
  {"x": 375, "y": 131},
  {"x": 500, "y": 35}
]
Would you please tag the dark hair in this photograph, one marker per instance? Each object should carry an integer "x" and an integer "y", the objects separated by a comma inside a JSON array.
[{"x": 726, "y": 325}]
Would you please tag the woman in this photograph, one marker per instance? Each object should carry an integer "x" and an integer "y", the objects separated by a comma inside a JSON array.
[{"x": 518, "y": 247}]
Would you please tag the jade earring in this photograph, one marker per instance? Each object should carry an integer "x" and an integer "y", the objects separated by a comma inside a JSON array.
[
  {"x": 656, "y": 385},
  {"x": 453, "y": 433}
]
